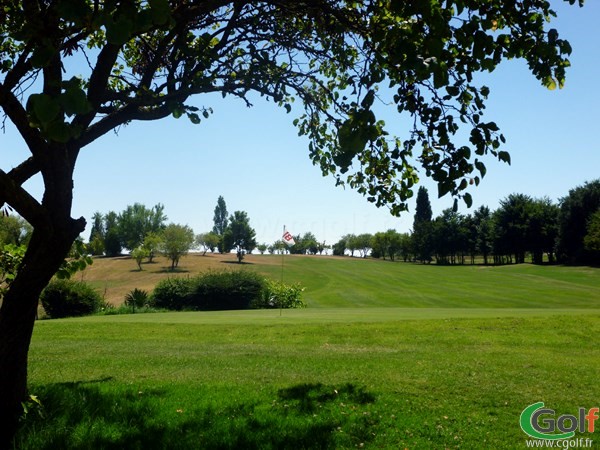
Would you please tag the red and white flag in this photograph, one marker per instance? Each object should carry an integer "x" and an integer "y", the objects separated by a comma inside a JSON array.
[{"x": 288, "y": 238}]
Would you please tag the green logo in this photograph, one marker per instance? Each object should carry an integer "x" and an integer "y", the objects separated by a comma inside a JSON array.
[{"x": 539, "y": 422}]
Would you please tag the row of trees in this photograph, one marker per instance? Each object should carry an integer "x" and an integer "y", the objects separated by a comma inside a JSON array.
[
  {"x": 144, "y": 232},
  {"x": 568, "y": 232}
]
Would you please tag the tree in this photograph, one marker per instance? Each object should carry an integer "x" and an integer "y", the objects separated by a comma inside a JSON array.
[
  {"x": 14, "y": 230},
  {"x": 112, "y": 237},
  {"x": 485, "y": 228},
  {"x": 239, "y": 235},
  {"x": 422, "y": 227},
  {"x": 136, "y": 221},
  {"x": 177, "y": 240},
  {"x": 512, "y": 221},
  {"x": 208, "y": 241},
  {"x": 152, "y": 244},
  {"x": 576, "y": 209},
  {"x": 97, "y": 235},
  {"x": 144, "y": 61},
  {"x": 591, "y": 241},
  {"x": 543, "y": 229},
  {"x": 138, "y": 254},
  {"x": 262, "y": 248},
  {"x": 221, "y": 220}
]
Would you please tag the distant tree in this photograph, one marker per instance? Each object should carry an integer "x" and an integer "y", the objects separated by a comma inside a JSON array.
[
  {"x": 339, "y": 248},
  {"x": 221, "y": 221},
  {"x": 363, "y": 243},
  {"x": 576, "y": 209},
  {"x": 278, "y": 247},
  {"x": 512, "y": 225},
  {"x": 482, "y": 219},
  {"x": 112, "y": 237},
  {"x": 97, "y": 227},
  {"x": 422, "y": 227},
  {"x": 449, "y": 236},
  {"x": 136, "y": 221},
  {"x": 177, "y": 242},
  {"x": 239, "y": 235},
  {"x": 208, "y": 241},
  {"x": 310, "y": 243},
  {"x": 262, "y": 248},
  {"x": 152, "y": 243},
  {"x": 591, "y": 241},
  {"x": 406, "y": 246},
  {"x": 14, "y": 230},
  {"x": 96, "y": 246},
  {"x": 352, "y": 243},
  {"x": 138, "y": 254},
  {"x": 543, "y": 229},
  {"x": 321, "y": 247}
]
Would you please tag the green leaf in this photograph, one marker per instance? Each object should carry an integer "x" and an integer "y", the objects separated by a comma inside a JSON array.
[
  {"x": 74, "y": 101},
  {"x": 161, "y": 11},
  {"x": 504, "y": 157},
  {"x": 468, "y": 199},
  {"x": 44, "y": 108}
]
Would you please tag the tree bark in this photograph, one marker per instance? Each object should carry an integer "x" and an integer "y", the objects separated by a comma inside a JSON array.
[{"x": 46, "y": 251}]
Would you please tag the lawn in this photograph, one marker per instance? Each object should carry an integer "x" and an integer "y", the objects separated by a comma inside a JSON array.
[{"x": 388, "y": 355}]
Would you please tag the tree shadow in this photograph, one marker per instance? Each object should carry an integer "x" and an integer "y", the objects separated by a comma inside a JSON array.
[
  {"x": 243, "y": 263},
  {"x": 101, "y": 414},
  {"x": 167, "y": 269}
]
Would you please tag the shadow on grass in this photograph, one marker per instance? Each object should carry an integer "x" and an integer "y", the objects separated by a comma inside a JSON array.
[
  {"x": 101, "y": 414},
  {"x": 237, "y": 263}
]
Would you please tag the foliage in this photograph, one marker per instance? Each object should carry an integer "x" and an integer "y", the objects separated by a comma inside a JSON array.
[
  {"x": 223, "y": 290},
  {"x": 177, "y": 240},
  {"x": 239, "y": 235},
  {"x": 136, "y": 298},
  {"x": 221, "y": 217},
  {"x": 591, "y": 241},
  {"x": 98, "y": 231},
  {"x": 208, "y": 241},
  {"x": 112, "y": 237},
  {"x": 137, "y": 221},
  {"x": 77, "y": 260},
  {"x": 152, "y": 243},
  {"x": 576, "y": 209},
  {"x": 138, "y": 254},
  {"x": 422, "y": 226},
  {"x": 14, "y": 230},
  {"x": 96, "y": 246},
  {"x": 11, "y": 257},
  {"x": 172, "y": 293},
  {"x": 68, "y": 298},
  {"x": 280, "y": 295}
]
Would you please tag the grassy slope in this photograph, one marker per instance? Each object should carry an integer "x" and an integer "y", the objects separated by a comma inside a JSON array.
[
  {"x": 487, "y": 343},
  {"x": 348, "y": 282}
]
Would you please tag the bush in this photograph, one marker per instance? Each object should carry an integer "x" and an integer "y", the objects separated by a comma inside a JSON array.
[
  {"x": 172, "y": 293},
  {"x": 137, "y": 298},
  {"x": 280, "y": 295},
  {"x": 227, "y": 290},
  {"x": 67, "y": 298}
]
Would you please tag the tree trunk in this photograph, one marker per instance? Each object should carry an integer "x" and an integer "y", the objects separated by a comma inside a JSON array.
[{"x": 45, "y": 253}]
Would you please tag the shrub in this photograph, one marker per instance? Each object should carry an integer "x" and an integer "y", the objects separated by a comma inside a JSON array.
[
  {"x": 137, "y": 298},
  {"x": 280, "y": 295},
  {"x": 227, "y": 290},
  {"x": 67, "y": 298},
  {"x": 172, "y": 293}
]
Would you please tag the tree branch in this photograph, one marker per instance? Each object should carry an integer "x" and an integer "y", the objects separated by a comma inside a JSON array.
[{"x": 19, "y": 199}]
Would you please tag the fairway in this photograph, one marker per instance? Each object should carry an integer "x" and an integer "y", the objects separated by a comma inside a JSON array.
[{"x": 387, "y": 355}]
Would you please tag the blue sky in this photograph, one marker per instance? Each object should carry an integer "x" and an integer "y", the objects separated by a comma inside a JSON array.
[{"x": 255, "y": 159}]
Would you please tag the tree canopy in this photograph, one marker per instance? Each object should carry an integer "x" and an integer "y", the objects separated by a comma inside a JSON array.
[{"x": 72, "y": 71}]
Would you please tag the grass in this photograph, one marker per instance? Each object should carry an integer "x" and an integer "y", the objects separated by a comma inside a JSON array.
[
  {"x": 352, "y": 282},
  {"x": 386, "y": 356}
]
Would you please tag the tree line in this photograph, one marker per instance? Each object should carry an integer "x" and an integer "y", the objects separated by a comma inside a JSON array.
[
  {"x": 144, "y": 232},
  {"x": 522, "y": 227}
]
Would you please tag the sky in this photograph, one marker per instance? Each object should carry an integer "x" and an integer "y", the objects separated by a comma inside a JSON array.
[{"x": 254, "y": 158}]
